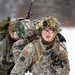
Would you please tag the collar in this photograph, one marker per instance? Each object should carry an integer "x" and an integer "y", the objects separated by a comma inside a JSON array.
[{"x": 44, "y": 47}]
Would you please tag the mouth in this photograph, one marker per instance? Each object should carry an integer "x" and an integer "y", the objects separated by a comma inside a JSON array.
[{"x": 47, "y": 36}]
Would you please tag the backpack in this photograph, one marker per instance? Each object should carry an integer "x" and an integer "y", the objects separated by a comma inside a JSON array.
[{"x": 4, "y": 28}]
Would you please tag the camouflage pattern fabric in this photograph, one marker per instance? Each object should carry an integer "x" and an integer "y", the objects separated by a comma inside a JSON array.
[
  {"x": 24, "y": 28},
  {"x": 50, "y": 22},
  {"x": 20, "y": 44},
  {"x": 6, "y": 57},
  {"x": 45, "y": 65},
  {"x": 1, "y": 53},
  {"x": 5, "y": 50},
  {"x": 2, "y": 64},
  {"x": 17, "y": 47}
]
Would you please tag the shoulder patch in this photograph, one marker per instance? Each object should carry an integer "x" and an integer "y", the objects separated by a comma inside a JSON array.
[
  {"x": 25, "y": 53},
  {"x": 63, "y": 55},
  {"x": 22, "y": 58}
]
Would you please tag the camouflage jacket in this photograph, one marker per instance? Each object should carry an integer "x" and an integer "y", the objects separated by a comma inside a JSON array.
[
  {"x": 45, "y": 64},
  {"x": 20, "y": 44},
  {"x": 6, "y": 57},
  {"x": 17, "y": 47}
]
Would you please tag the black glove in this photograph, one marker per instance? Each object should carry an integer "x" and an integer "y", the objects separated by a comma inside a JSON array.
[{"x": 55, "y": 59}]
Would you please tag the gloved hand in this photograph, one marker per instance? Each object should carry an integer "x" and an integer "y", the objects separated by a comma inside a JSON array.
[{"x": 56, "y": 61}]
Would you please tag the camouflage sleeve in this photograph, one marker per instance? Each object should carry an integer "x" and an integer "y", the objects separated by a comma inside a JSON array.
[
  {"x": 1, "y": 53},
  {"x": 17, "y": 47},
  {"x": 65, "y": 69},
  {"x": 24, "y": 60}
]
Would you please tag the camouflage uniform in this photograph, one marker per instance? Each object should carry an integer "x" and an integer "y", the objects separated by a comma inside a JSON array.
[
  {"x": 5, "y": 51},
  {"x": 26, "y": 31},
  {"x": 44, "y": 67},
  {"x": 17, "y": 47},
  {"x": 49, "y": 61},
  {"x": 5, "y": 56}
]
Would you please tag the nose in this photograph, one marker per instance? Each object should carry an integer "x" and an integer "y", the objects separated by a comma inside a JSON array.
[{"x": 47, "y": 33}]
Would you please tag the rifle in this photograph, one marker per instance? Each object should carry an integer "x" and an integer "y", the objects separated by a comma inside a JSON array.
[{"x": 30, "y": 14}]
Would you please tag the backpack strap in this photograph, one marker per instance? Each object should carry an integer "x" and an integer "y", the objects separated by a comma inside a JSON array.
[
  {"x": 38, "y": 53},
  {"x": 37, "y": 56}
]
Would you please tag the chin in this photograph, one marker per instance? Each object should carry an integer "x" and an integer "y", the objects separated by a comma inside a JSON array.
[{"x": 47, "y": 40}]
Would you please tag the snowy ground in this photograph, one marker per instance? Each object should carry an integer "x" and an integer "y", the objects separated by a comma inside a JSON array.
[{"x": 69, "y": 34}]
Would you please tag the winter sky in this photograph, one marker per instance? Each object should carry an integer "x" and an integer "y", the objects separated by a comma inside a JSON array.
[{"x": 69, "y": 34}]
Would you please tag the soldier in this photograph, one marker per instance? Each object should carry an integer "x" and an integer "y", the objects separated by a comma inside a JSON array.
[
  {"x": 5, "y": 53},
  {"x": 26, "y": 31},
  {"x": 46, "y": 55},
  {"x": 22, "y": 28}
]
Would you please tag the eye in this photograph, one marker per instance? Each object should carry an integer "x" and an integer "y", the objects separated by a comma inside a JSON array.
[
  {"x": 44, "y": 31},
  {"x": 50, "y": 30}
]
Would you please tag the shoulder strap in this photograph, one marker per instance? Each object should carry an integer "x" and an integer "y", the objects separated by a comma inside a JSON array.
[
  {"x": 36, "y": 45},
  {"x": 38, "y": 54}
]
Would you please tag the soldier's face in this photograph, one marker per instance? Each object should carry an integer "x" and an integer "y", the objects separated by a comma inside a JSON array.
[
  {"x": 48, "y": 34},
  {"x": 14, "y": 36}
]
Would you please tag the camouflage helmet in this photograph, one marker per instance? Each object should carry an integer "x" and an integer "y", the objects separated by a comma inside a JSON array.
[
  {"x": 24, "y": 28},
  {"x": 50, "y": 22}
]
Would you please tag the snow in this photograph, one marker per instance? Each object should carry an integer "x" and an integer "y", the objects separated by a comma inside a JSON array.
[{"x": 69, "y": 34}]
